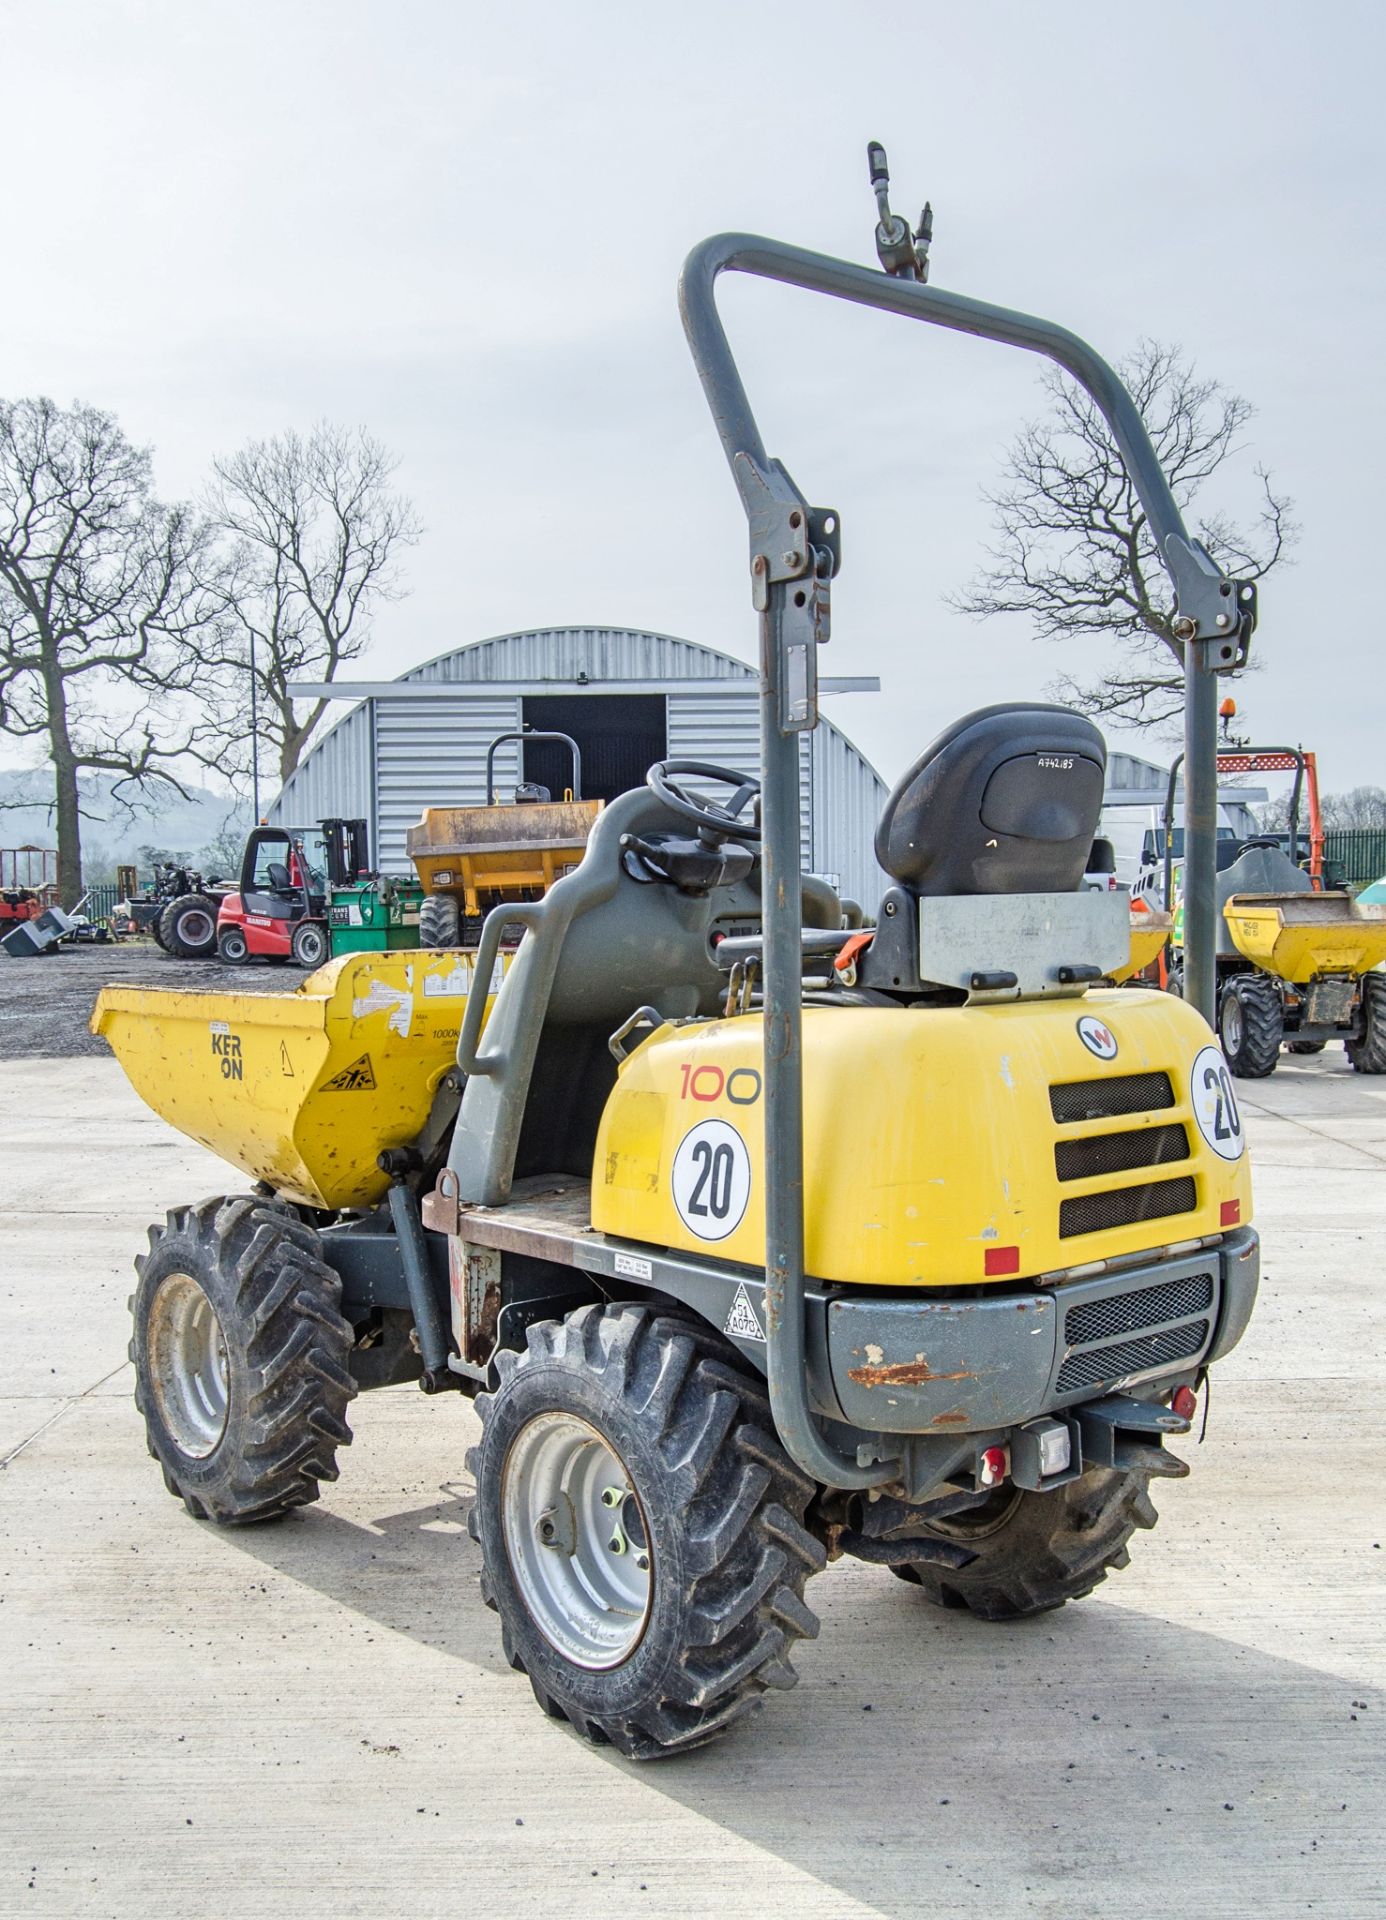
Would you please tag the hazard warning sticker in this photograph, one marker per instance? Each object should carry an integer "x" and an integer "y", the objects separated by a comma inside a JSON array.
[
  {"x": 742, "y": 1321},
  {"x": 357, "y": 1078}
]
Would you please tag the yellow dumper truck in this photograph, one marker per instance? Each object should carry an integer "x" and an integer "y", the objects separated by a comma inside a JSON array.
[{"x": 756, "y": 1237}]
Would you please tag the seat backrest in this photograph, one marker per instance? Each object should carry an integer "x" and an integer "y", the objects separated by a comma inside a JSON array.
[
  {"x": 1007, "y": 800},
  {"x": 278, "y": 876}
]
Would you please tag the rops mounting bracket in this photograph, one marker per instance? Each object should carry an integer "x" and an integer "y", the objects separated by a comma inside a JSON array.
[{"x": 797, "y": 549}]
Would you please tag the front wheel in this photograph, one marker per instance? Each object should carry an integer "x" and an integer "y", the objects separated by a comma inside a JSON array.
[
  {"x": 310, "y": 943},
  {"x": 240, "y": 1353},
  {"x": 439, "y": 921},
  {"x": 232, "y": 946},
  {"x": 1251, "y": 1025},
  {"x": 1367, "y": 1054},
  {"x": 1033, "y": 1551},
  {"x": 641, "y": 1529}
]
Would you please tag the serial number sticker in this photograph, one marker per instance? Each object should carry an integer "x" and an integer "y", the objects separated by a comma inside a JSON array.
[
  {"x": 711, "y": 1179},
  {"x": 219, "y": 1026},
  {"x": 634, "y": 1267},
  {"x": 1215, "y": 1104}
]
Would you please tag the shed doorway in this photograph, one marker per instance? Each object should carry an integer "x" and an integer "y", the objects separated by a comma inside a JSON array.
[{"x": 620, "y": 735}]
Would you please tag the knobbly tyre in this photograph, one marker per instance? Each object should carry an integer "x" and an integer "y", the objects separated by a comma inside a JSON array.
[{"x": 757, "y": 1239}]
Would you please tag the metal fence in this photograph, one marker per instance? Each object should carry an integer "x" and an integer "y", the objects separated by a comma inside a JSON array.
[
  {"x": 1359, "y": 851},
  {"x": 100, "y": 900}
]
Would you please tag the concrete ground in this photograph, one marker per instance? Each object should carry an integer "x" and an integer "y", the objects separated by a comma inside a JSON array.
[{"x": 314, "y": 1717}]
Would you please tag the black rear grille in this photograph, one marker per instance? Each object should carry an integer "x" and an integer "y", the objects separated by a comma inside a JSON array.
[
  {"x": 1125, "y": 1206},
  {"x": 1119, "y": 1152},
  {"x": 1111, "y": 1097},
  {"x": 1144, "y": 1307},
  {"x": 1143, "y": 1355}
]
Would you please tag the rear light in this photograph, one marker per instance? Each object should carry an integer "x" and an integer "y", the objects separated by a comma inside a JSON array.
[
  {"x": 1055, "y": 1449},
  {"x": 1184, "y": 1402}
]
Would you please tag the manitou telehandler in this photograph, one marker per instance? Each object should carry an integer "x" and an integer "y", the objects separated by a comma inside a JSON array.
[{"x": 759, "y": 1239}]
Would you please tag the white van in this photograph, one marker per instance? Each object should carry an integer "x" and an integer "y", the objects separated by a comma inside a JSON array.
[{"x": 1136, "y": 830}]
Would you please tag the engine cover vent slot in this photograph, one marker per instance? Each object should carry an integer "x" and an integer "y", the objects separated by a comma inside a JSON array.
[
  {"x": 1119, "y": 1152},
  {"x": 1126, "y": 1206},
  {"x": 1110, "y": 1098}
]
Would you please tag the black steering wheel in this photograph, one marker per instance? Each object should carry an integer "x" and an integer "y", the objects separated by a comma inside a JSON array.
[{"x": 719, "y": 822}]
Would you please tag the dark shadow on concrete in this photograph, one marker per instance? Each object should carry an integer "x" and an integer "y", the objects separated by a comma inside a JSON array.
[{"x": 1095, "y": 1761}]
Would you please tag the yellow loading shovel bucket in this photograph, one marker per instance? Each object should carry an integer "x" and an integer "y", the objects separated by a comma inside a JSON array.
[
  {"x": 1300, "y": 936},
  {"x": 300, "y": 1089},
  {"x": 1150, "y": 928}
]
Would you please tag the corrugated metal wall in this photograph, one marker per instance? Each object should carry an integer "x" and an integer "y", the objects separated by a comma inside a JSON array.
[
  {"x": 722, "y": 724},
  {"x": 389, "y": 758},
  {"x": 335, "y": 778},
  {"x": 433, "y": 753}
]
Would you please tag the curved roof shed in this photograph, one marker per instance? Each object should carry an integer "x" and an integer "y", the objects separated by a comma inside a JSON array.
[{"x": 628, "y": 697}]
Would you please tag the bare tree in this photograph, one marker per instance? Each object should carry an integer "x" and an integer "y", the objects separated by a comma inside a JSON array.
[
  {"x": 1359, "y": 807},
  {"x": 1073, "y": 551},
  {"x": 102, "y": 589},
  {"x": 314, "y": 531}
]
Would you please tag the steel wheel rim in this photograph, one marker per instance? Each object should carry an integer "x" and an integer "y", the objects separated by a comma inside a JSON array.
[
  {"x": 311, "y": 946},
  {"x": 195, "y": 927},
  {"x": 188, "y": 1365},
  {"x": 1232, "y": 1023},
  {"x": 577, "y": 1542}
]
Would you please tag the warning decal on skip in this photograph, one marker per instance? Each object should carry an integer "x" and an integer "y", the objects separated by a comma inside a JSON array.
[{"x": 357, "y": 1078}]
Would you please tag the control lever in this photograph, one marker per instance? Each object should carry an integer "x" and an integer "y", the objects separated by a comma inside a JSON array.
[{"x": 902, "y": 253}]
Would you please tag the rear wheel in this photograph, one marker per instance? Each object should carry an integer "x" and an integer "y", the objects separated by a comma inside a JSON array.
[
  {"x": 1368, "y": 1054},
  {"x": 232, "y": 946},
  {"x": 1305, "y": 1046},
  {"x": 1251, "y": 1025},
  {"x": 240, "y": 1355},
  {"x": 1174, "y": 981},
  {"x": 188, "y": 926},
  {"x": 439, "y": 921},
  {"x": 156, "y": 928},
  {"x": 641, "y": 1529},
  {"x": 310, "y": 943},
  {"x": 1033, "y": 1551}
]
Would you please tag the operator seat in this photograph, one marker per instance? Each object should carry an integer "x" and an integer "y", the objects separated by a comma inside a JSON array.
[{"x": 1007, "y": 800}]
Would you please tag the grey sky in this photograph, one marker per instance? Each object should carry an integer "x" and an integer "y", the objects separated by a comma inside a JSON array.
[{"x": 462, "y": 226}]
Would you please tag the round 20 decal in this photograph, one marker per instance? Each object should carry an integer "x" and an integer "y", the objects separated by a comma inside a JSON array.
[
  {"x": 711, "y": 1179},
  {"x": 1215, "y": 1104}
]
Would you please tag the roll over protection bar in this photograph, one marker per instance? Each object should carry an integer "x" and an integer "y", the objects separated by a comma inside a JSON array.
[{"x": 795, "y": 551}]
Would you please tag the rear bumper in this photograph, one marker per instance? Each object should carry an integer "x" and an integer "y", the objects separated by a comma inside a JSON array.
[{"x": 899, "y": 1364}]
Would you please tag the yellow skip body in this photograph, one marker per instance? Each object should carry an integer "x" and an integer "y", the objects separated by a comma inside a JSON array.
[
  {"x": 936, "y": 1151},
  {"x": 300, "y": 1089}
]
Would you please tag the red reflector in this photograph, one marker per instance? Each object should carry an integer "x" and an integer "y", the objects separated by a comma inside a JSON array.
[
  {"x": 1231, "y": 1213},
  {"x": 994, "y": 1464},
  {"x": 1000, "y": 1260},
  {"x": 1184, "y": 1403}
]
